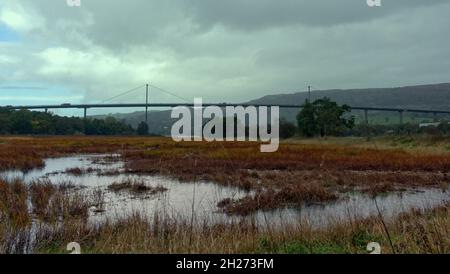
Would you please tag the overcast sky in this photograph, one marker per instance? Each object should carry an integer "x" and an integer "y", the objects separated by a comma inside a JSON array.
[{"x": 221, "y": 50}]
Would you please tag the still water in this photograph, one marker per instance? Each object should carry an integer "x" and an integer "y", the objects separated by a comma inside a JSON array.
[{"x": 198, "y": 200}]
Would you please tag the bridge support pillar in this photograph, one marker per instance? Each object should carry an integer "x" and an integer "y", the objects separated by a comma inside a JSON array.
[
  {"x": 366, "y": 116},
  {"x": 85, "y": 120},
  {"x": 366, "y": 123},
  {"x": 146, "y": 105}
]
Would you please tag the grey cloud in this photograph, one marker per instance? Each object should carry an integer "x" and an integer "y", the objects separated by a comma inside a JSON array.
[
  {"x": 229, "y": 50},
  {"x": 260, "y": 14}
]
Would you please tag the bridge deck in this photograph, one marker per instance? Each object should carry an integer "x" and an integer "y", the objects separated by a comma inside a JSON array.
[{"x": 171, "y": 105}]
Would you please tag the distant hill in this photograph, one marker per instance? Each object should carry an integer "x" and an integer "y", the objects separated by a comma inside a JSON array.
[
  {"x": 436, "y": 97},
  {"x": 424, "y": 96}
]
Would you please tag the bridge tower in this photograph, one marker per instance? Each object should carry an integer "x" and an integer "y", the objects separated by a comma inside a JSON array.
[{"x": 146, "y": 105}]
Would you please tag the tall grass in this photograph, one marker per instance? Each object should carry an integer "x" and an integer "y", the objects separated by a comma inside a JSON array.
[
  {"x": 15, "y": 219},
  {"x": 13, "y": 203},
  {"x": 43, "y": 218},
  {"x": 27, "y": 210},
  {"x": 415, "y": 232}
]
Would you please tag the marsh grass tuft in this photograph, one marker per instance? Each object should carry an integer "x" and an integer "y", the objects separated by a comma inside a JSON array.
[
  {"x": 290, "y": 196},
  {"x": 13, "y": 203},
  {"x": 137, "y": 186}
]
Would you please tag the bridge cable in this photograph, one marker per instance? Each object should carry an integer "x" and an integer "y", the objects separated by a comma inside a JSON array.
[
  {"x": 122, "y": 94},
  {"x": 170, "y": 93}
]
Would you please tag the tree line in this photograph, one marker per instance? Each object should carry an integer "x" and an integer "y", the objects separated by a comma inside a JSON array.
[{"x": 40, "y": 123}]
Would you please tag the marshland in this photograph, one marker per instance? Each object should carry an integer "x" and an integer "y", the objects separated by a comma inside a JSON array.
[{"x": 154, "y": 195}]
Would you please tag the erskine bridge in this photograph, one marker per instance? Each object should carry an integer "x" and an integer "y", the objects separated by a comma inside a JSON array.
[{"x": 85, "y": 107}]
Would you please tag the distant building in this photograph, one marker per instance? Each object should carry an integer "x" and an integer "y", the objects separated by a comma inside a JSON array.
[{"x": 435, "y": 124}]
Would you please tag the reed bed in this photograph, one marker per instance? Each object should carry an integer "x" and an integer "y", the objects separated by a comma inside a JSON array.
[
  {"x": 136, "y": 186},
  {"x": 416, "y": 232},
  {"x": 28, "y": 152},
  {"x": 332, "y": 167},
  {"x": 81, "y": 171},
  {"x": 13, "y": 203},
  {"x": 273, "y": 199},
  {"x": 43, "y": 218},
  {"x": 57, "y": 218}
]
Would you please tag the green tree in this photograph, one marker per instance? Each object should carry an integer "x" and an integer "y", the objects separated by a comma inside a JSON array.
[
  {"x": 306, "y": 120},
  {"x": 330, "y": 117},
  {"x": 142, "y": 129},
  {"x": 5, "y": 121},
  {"x": 35, "y": 122},
  {"x": 324, "y": 117},
  {"x": 21, "y": 122}
]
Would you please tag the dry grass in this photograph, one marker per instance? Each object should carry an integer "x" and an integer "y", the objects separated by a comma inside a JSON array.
[
  {"x": 52, "y": 203},
  {"x": 25, "y": 153},
  {"x": 13, "y": 203},
  {"x": 272, "y": 199},
  {"x": 51, "y": 206},
  {"x": 80, "y": 171},
  {"x": 41, "y": 192},
  {"x": 416, "y": 232},
  {"x": 333, "y": 165},
  {"x": 298, "y": 173}
]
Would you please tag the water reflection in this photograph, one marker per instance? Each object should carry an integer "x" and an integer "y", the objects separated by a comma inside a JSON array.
[{"x": 198, "y": 200}]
